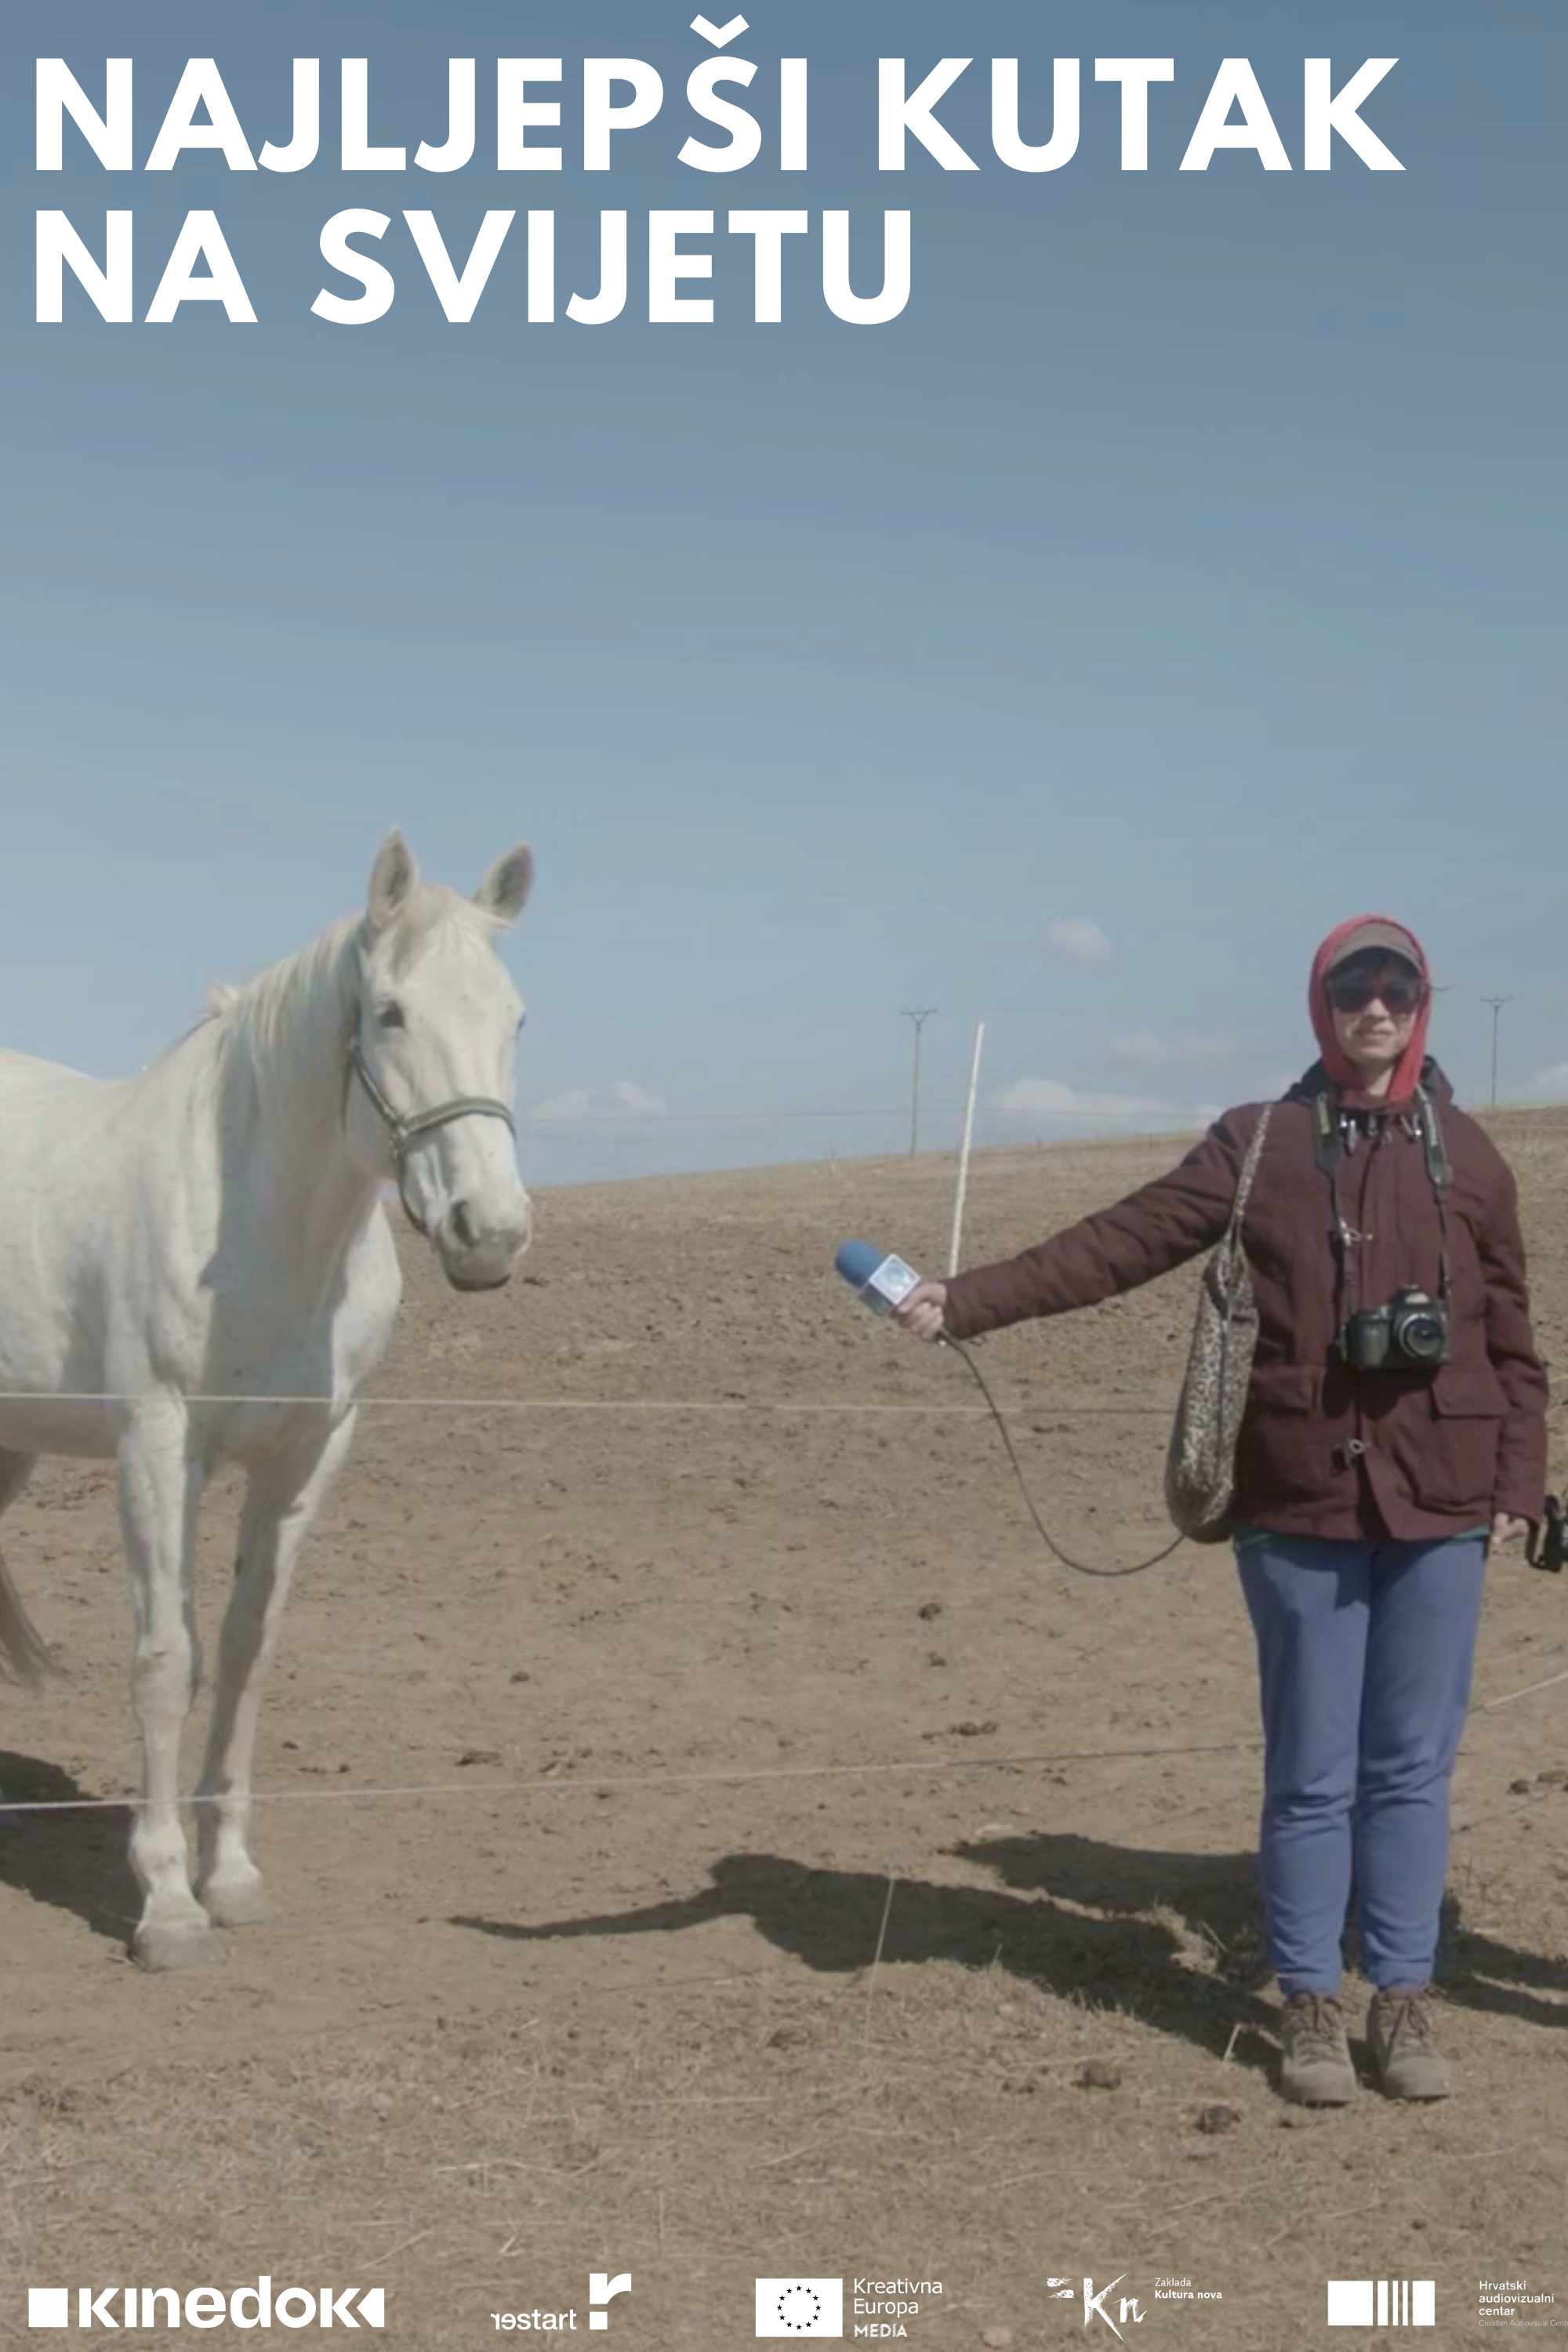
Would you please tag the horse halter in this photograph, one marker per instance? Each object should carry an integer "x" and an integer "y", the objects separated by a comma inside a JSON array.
[{"x": 406, "y": 1128}]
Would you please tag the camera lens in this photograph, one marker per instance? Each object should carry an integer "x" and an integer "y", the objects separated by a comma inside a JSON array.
[{"x": 1421, "y": 1336}]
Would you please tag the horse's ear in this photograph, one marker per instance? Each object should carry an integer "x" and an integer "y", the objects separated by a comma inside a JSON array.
[
  {"x": 507, "y": 885},
  {"x": 391, "y": 880}
]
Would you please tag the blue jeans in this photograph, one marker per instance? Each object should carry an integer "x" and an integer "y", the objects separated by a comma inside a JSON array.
[{"x": 1364, "y": 1653}]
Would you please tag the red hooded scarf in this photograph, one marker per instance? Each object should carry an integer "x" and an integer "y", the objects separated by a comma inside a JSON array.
[{"x": 1341, "y": 1071}]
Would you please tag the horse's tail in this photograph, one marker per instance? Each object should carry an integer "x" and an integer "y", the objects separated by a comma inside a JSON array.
[{"x": 22, "y": 1652}]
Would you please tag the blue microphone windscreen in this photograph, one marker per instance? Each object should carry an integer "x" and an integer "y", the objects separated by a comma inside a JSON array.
[{"x": 858, "y": 1262}]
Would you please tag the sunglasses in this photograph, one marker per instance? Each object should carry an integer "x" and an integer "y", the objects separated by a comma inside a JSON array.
[{"x": 1398, "y": 994}]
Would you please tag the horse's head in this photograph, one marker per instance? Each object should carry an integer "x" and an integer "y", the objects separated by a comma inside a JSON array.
[{"x": 431, "y": 1056}]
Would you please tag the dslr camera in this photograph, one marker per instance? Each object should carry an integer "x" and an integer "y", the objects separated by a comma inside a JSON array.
[{"x": 1410, "y": 1334}]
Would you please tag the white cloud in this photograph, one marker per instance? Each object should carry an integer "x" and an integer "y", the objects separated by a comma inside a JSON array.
[
  {"x": 621, "y": 1100},
  {"x": 1047, "y": 1098},
  {"x": 1143, "y": 1050},
  {"x": 1552, "y": 1083},
  {"x": 1076, "y": 940}
]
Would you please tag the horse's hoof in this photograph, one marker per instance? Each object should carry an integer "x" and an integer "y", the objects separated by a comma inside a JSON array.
[
  {"x": 236, "y": 1902},
  {"x": 163, "y": 1944}
]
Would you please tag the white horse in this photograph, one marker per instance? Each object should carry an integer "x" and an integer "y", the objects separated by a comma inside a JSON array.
[{"x": 176, "y": 1246}]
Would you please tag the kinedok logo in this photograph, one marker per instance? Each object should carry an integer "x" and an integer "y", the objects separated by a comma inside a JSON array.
[
  {"x": 1383, "y": 2302},
  {"x": 209, "y": 2306}
]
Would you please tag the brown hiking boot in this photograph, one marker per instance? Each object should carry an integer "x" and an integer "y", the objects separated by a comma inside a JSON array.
[
  {"x": 1403, "y": 2044},
  {"x": 1315, "y": 2070}
]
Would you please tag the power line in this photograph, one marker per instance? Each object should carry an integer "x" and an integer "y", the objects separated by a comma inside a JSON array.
[
  {"x": 920, "y": 1015},
  {"x": 611, "y": 1119},
  {"x": 1497, "y": 1004}
]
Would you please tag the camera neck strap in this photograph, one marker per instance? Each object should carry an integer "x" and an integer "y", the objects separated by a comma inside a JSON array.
[{"x": 1333, "y": 1130}]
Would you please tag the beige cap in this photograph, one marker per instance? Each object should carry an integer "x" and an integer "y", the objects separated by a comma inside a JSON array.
[{"x": 1390, "y": 937}]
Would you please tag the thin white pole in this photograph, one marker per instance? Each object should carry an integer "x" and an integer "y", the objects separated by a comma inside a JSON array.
[
  {"x": 1497, "y": 1004},
  {"x": 964, "y": 1155}
]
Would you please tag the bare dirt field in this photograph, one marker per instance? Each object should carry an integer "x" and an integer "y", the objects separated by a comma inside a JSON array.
[{"x": 723, "y": 1939}]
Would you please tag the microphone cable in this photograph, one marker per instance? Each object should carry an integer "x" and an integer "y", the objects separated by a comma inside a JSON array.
[{"x": 1078, "y": 1566}]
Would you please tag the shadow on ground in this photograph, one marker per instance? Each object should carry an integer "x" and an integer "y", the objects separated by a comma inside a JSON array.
[
  {"x": 1486, "y": 1974},
  {"x": 74, "y": 1861},
  {"x": 1171, "y": 1940}
]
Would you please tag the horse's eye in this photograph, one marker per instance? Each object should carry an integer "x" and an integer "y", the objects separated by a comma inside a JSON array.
[
  {"x": 522, "y": 1020},
  {"x": 390, "y": 1016}
]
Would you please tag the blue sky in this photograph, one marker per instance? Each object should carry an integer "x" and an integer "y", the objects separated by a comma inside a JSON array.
[{"x": 1184, "y": 562}]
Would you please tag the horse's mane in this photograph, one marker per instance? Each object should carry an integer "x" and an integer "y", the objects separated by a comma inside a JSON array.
[
  {"x": 272, "y": 1001},
  {"x": 276, "y": 1015}
]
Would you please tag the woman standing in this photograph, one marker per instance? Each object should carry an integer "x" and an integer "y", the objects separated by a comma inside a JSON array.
[{"x": 1395, "y": 1429}]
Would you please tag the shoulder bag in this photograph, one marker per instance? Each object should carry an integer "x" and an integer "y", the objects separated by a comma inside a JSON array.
[{"x": 1200, "y": 1466}]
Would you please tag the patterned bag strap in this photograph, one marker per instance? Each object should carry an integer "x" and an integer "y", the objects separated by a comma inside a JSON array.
[{"x": 1244, "y": 1185}]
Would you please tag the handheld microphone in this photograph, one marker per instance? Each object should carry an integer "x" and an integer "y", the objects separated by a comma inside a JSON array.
[{"x": 880, "y": 1282}]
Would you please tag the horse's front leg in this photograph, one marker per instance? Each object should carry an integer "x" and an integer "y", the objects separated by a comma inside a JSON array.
[
  {"x": 285, "y": 1494},
  {"x": 159, "y": 1494}
]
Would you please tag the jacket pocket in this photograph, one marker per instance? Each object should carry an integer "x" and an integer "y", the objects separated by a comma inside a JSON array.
[
  {"x": 1283, "y": 1453},
  {"x": 1451, "y": 1447},
  {"x": 1285, "y": 1387},
  {"x": 1467, "y": 1393}
]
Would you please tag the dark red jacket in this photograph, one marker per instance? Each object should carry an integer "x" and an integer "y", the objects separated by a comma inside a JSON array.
[{"x": 1443, "y": 1451}]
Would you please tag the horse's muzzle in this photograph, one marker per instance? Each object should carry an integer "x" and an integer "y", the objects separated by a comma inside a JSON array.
[
  {"x": 475, "y": 1283},
  {"x": 476, "y": 1256}
]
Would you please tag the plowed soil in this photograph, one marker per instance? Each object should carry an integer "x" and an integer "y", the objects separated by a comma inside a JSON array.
[{"x": 797, "y": 1873}]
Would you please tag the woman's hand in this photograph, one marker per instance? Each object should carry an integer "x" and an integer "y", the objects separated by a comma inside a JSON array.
[
  {"x": 1506, "y": 1529},
  {"x": 922, "y": 1312}
]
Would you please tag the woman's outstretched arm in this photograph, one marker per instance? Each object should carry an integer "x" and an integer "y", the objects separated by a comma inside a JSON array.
[{"x": 1161, "y": 1226}]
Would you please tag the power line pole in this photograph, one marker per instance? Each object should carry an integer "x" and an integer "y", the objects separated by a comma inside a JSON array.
[
  {"x": 919, "y": 1017},
  {"x": 1497, "y": 1004}
]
